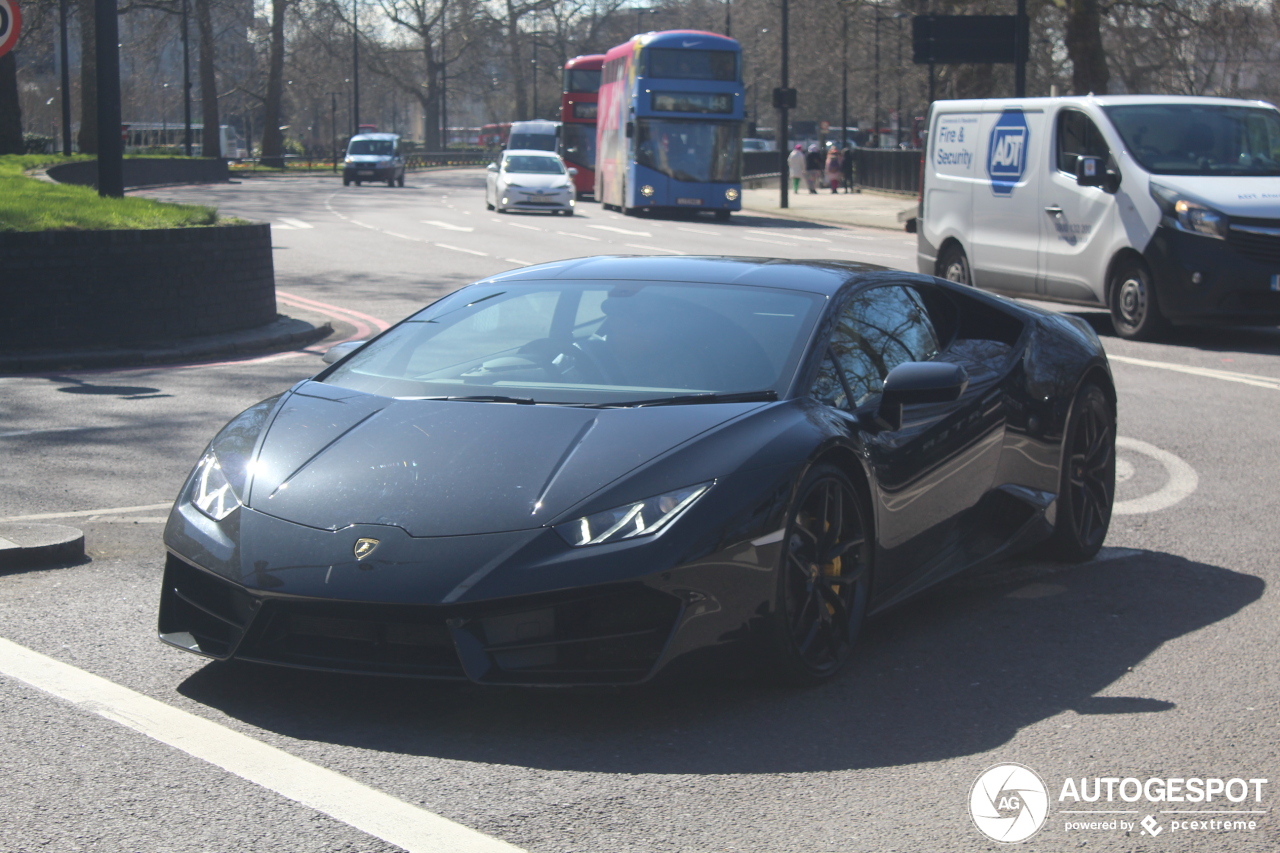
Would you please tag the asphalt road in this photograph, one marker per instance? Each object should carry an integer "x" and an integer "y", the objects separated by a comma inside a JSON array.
[{"x": 1156, "y": 660}]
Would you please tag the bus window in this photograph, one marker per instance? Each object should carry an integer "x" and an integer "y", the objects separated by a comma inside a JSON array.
[
  {"x": 582, "y": 80},
  {"x": 677, "y": 64}
]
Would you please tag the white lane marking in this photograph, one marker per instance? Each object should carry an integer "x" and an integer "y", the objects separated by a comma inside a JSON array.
[
  {"x": 1182, "y": 480},
  {"x": 869, "y": 254},
  {"x": 448, "y": 226},
  {"x": 700, "y": 231},
  {"x": 765, "y": 240},
  {"x": 1208, "y": 372},
  {"x": 622, "y": 230},
  {"x": 796, "y": 237},
  {"x": 371, "y": 811},
  {"x": 83, "y": 513},
  {"x": 518, "y": 261},
  {"x": 577, "y": 236},
  {"x": 521, "y": 225},
  {"x": 652, "y": 248},
  {"x": 460, "y": 249},
  {"x": 295, "y": 223}
]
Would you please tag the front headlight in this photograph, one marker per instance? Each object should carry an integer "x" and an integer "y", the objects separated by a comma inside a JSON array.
[
  {"x": 1188, "y": 215},
  {"x": 211, "y": 491},
  {"x": 732, "y": 194},
  {"x": 642, "y": 518}
]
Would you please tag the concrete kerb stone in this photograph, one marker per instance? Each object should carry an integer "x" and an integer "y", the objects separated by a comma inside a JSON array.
[
  {"x": 284, "y": 333},
  {"x": 24, "y": 545}
]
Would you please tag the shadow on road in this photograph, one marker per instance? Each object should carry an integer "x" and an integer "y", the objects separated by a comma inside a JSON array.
[
  {"x": 1259, "y": 340},
  {"x": 957, "y": 672}
]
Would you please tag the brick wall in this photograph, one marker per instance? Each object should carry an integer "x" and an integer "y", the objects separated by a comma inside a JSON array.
[{"x": 77, "y": 289}]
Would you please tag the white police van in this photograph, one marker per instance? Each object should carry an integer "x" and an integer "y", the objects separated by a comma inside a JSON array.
[{"x": 1162, "y": 209}]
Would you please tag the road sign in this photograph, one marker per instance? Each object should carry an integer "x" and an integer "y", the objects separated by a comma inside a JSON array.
[{"x": 10, "y": 25}]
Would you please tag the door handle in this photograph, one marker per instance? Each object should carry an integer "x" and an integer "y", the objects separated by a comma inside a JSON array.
[{"x": 1053, "y": 211}]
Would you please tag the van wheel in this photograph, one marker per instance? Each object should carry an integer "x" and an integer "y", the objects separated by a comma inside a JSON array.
[
  {"x": 400, "y": 181},
  {"x": 1135, "y": 312},
  {"x": 954, "y": 265}
]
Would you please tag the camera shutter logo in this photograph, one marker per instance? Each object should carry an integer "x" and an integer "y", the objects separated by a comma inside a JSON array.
[{"x": 1009, "y": 802}]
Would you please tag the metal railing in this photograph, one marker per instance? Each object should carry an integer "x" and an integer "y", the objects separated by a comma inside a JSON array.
[{"x": 874, "y": 168}]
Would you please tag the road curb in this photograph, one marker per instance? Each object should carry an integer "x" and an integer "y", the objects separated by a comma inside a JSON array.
[
  {"x": 24, "y": 546},
  {"x": 283, "y": 333}
]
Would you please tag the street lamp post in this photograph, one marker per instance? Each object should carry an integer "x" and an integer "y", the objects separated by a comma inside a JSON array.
[
  {"x": 844, "y": 76},
  {"x": 333, "y": 127},
  {"x": 875, "y": 119},
  {"x": 186, "y": 83},
  {"x": 533, "y": 109},
  {"x": 355, "y": 67},
  {"x": 66, "y": 77}
]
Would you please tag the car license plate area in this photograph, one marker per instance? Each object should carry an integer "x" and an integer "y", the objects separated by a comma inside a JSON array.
[
  {"x": 695, "y": 202},
  {"x": 365, "y": 172}
]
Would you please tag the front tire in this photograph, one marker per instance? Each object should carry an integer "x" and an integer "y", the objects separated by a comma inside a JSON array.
[
  {"x": 1135, "y": 311},
  {"x": 953, "y": 265},
  {"x": 824, "y": 578},
  {"x": 1087, "y": 487},
  {"x": 722, "y": 215}
]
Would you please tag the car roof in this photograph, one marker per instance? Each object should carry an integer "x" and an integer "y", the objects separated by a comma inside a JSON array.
[
  {"x": 993, "y": 104},
  {"x": 530, "y": 152},
  {"x": 375, "y": 136},
  {"x": 813, "y": 276}
]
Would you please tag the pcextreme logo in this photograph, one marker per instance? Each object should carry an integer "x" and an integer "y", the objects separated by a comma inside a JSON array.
[{"x": 1010, "y": 803}]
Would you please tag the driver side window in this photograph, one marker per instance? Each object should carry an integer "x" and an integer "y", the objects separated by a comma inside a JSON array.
[
  {"x": 877, "y": 330},
  {"x": 1078, "y": 137}
]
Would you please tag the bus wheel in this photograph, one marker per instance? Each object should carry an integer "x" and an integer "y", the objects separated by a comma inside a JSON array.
[
  {"x": 723, "y": 215},
  {"x": 357, "y": 182}
]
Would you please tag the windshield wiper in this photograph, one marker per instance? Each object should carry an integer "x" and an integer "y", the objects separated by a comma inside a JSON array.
[
  {"x": 686, "y": 399},
  {"x": 484, "y": 398}
]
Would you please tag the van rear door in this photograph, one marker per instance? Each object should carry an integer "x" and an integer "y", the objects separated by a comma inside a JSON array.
[{"x": 1007, "y": 215}]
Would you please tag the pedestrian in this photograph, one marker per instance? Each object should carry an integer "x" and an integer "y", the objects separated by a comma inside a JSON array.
[
  {"x": 795, "y": 167},
  {"x": 833, "y": 169},
  {"x": 846, "y": 168},
  {"x": 813, "y": 168}
]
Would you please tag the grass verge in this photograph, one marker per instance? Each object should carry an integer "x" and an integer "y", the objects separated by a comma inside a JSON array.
[{"x": 27, "y": 204}]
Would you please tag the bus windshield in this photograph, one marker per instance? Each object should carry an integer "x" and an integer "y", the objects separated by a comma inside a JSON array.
[
  {"x": 1200, "y": 139},
  {"x": 582, "y": 80},
  {"x": 376, "y": 147},
  {"x": 579, "y": 144},
  {"x": 678, "y": 64},
  {"x": 690, "y": 150},
  {"x": 532, "y": 141}
]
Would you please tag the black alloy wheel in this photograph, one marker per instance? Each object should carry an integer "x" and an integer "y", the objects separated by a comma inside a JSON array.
[
  {"x": 1088, "y": 485},
  {"x": 953, "y": 265},
  {"x": 1135, "y": 311},
  {"x": 824, "y": 578}
]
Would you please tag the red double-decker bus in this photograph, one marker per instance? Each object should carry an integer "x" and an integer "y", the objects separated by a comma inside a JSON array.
[{"x": 578, "y": 118}]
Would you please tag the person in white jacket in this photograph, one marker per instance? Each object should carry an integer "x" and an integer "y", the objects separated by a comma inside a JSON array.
[{"x": 795, "y": 167}]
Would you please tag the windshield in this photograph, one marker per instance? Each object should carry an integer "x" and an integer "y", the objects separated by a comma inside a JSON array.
[
  {"x": 533, "y": 141},
  {"x": 690, "y": 150},
  {"x": 580, "y": 80},
  {"x": 531, "y": 163},
  {"x": 1198, "y": 139},
  {"x": 579, "y": 142},
  {"x": 680, "y": 64},
  {"x": 378, "y": 147},
  {"x": 590, "y": 343}
]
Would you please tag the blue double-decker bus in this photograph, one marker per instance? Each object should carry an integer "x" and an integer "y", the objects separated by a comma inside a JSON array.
[{"x": 669, "y": 131}]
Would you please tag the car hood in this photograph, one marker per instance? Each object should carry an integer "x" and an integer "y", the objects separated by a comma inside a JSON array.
[
  {"x": 333, "y": 458},
  {"x": 1234, "y": 196},
  {"x": 531, "y": 180}
]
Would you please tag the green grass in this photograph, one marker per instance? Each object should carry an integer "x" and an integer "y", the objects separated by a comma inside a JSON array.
[{"x": 27, "y": 204}]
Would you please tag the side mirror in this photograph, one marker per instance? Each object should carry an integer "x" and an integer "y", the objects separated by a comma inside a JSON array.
[
  {"x": 572, "y": 171},
  {"x": 492, "y": 167},
  {"x": 918, "y": 382},
  {"x": 340, "y": 351},
  {"x": 1092, "y": 172}
]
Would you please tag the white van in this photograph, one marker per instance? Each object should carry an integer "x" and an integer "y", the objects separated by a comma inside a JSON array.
[
  {"x": 1162, "y": 209},
  {"x": 536, "y": 135}
]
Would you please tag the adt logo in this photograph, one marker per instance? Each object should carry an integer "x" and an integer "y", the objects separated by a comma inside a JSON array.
[
  {"x": 1009, "y": 802},
  {"x": 1007, "y": 155}
]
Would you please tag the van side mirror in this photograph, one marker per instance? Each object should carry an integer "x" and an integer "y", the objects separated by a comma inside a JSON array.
[
  {"x": 572, "y": 171},
  {"x": 1092, "y": 172},
  {"x": 918, "y": 382},
  {"x": 492, "y": 167}
]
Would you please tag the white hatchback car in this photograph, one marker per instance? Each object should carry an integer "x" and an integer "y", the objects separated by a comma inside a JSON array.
[{"x": 530, "y": 180}]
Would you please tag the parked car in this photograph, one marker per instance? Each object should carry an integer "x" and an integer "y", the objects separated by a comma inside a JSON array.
[
  {"x": 530, "y": 180},
  {"x": 588, "y": 471},
  {"x": 373, "y": 157}
]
